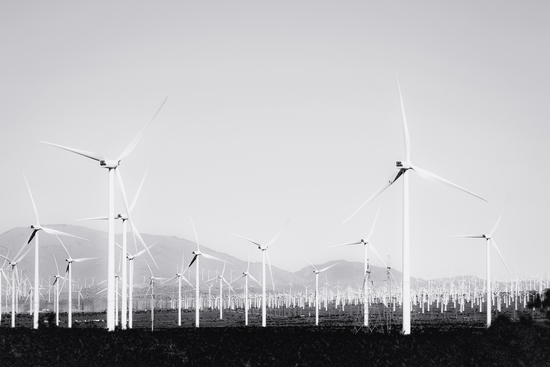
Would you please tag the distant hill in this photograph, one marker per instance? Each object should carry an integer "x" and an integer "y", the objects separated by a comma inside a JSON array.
[{"x": 168, "y": 255}]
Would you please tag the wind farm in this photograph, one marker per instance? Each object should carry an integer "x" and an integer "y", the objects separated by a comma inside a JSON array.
[{"x": 276, "y": 127}]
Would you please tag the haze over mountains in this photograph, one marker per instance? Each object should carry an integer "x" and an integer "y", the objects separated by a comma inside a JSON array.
[{"x": 168, "y": 254}]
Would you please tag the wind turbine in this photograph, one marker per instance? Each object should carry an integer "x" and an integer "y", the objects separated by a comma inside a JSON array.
[
  {"x": 488, "y": 240},
  {"x": 197, "y": 254},
  {"x": 245, "y": 275},
  {"x": 131, "y": 259},
  {"x": 57, "y": 276},
  {"x": 124, "y": 217},
  {"x": 112, "y": 166},
  {"x": 35, "y": 229},
  {"x": 264, "y": 254},
  {"x": 180, "y": 276},
  {"x": 366, "y": 244},
  {"x": 70, "y": 262},
  {"x": 317, "y": 272},
  {"x": 152, "y": 287},
  {"x": 222, "y": 279},
  {"x": 13, "y": 263},
  {"x": 403, "y": 168}
]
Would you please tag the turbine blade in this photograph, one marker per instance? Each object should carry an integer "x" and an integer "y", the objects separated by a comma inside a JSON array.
[
  {"x": 62, "y": 244},
  {"x": 405, "y": 126},
  {"x": 309, "y": 262},
  {"x": 498, "y": 221},
  {"x": 22, "y": 256},
  {"x": 328, "y": 267},
  {"x": 139, "y": 190},
  {"x": 188, "y": 282},
  {"x": 123, "y": 192},
  {"x": 504, "y": 261},
  {"x": 92, "y": 218},
  {"x": 85, "y": 259},
  {"x": 270, "y": 270},
  {"x": 277, "y": 235},
  {"x": 56, "y": 265},
  {"x": 234, "y": 280},
  {"x": 149, "y": 268},
  {"x": 32, "y": 200},
  {"x": 144, "y": 250},
  {"x": 136, "y": 140},
  {"x": 138, "y": 235},
  {"x": 254, "y": 279},
  {"x": 91, "y": 155},
  {"x": 377, "y": 254},
  {"x": 468, "y": 236},
  {"x": 380, "y": 190},
  {"x": 59, "y": 233},
  {"x": 229, "y": 285},
  {"x": 433, "y": 177},
  {"x": 346, "y": 244},
  {"x": 32, "y": 236},
  {"x": 375, "y": 219},
  {"x": 194, "y": 231},
  {"x": 212, "y": 257},
  {"x": 166, "y": 281},
  {"x": 192, "y": 261},
  {"x": 248, "y": 239}
]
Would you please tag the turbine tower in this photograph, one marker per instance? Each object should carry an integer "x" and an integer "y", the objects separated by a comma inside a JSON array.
[
  {"x": 264, "y": 254},
  {"x": 112, "y": 166},
  {"x": 403, "y": 168}
]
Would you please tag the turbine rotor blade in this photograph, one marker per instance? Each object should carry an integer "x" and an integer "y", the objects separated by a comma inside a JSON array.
[
  {"x": 328, "y": 267},
  {"x": 32, "y": 200},
  {"x": 138, "y": 191},
  {"x": 254, "y": 279},
  {"x": 91, "y": 218},
  {"x": 346, "y": 244},
  {"x": 504, "y": 261},
  {"x": 192, "y": 261},
  {"x": 375, "y": 219},
  {"x": 91, "y": 155},
  {"x": 59, "y": 233},
  {"x": 380, "y": 190},
  {"x": 212, "y": 257},
  {"x": 248, "y": 239},
  {"x": 498, "y": 221},
  {"x": 194, "y": 231},
  {"x": 309, "y": 262},
  {"x": 234, "y": 280},
  {"x": 405, "y": 126},
  {"x": 136, "y": 140},
  {"x": 277, "y": 235},
  {"x": 85, "y": 259},
  {"x": 377, "y": 254},
  {"x": 467, "y": 236},
  {"x": 433, "y": 177},
  {"x": 270, "y": 270}
]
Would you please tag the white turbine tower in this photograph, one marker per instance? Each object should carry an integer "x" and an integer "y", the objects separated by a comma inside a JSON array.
[
  {"x": 488, "y": 240},
  {"x": 180, "y": 275},
  {"x": 13, "y": 263},
  {"x": 264, "y": 254},
  {"x": 222, "y": 279},
  {"x": 317, "y": 272},
  {"x": 111, "y": 165},
  {"x": 57, "y": 276},
  {"x": 245, "y": 275},
  {"x": 403, "y": 168},
  {"x": 131, "y": 259},
  {"x": 197, "y": 254},
  {"x": 366, "y": 244},
  {"x": 35, "y": 229},
  {"x": 70, "y": 262}
]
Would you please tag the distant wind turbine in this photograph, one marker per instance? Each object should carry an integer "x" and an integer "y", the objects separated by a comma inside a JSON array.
[
  {"x": 403, "y": 168},
  {"x": 197, "y": 254},
  {"x": 264, "y": 254},
  {"x": 245, "y": 275},
  {"x": 317, "y": 272},
  {"x": 111, "y": 165},
  {"x": 488, "y": 240}
]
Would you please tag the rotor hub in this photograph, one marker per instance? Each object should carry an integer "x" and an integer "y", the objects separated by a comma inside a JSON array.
[{"x": 403, "y": 165}]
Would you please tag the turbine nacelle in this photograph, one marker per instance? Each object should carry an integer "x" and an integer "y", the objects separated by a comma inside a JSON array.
[
  {"x": 487, "y": 236},
  {"x": 197, "y": 253},
  {"x": 122, "y": 216},
  {"x": 109, "y": 163},
  {"x": 403, "y": 164}
]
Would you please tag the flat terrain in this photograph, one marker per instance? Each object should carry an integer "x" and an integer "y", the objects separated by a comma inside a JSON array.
[{"x": 437, "y": 339}]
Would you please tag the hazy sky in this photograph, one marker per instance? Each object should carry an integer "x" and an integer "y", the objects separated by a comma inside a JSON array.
[{"x": 286, "y": 110}]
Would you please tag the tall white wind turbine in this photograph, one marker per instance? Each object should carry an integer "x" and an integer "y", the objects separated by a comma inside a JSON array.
[
  {"x": 196, "y": 258},
  {"x": 264, "y": 254},
  {"x": 488, "y": 240},
  {"x": 180, "y": 276},
  {"x": 111, "y": 165},
  {"x": 317, "y": 272},
  {"x": 403, "y": 168},
  {"x": 366, "y": 244},
  {"x": 70, "y": 262},
  {"x": 245, "y": 275},
  {"x": 35, "y": 229},
  {"x": 57, "y": 276},
  {"x": 13, "y": 263}
]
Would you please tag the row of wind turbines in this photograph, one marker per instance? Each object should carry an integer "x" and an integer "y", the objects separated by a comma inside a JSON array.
[{"x": 403, "y": 169}]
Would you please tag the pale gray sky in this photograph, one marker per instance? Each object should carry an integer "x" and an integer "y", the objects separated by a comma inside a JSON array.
[{"x": 286, "y": 109}]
